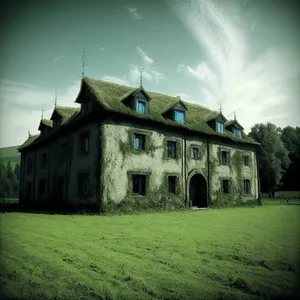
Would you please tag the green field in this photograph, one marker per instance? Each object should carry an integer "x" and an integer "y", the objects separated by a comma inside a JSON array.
[
  {"x": 234, "y": 253},
  {"x": 10, "y": 154}
]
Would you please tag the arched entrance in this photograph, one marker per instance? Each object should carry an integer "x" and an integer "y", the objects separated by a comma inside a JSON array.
[{"x": 198, "y": 191}]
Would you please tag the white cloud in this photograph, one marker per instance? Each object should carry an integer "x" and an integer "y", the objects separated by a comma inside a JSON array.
[
  {"x": 21, "y": 108},
  {"x": 59, "y": 57},
  {"x": 115, "y": 79},
  {"x": 134, "y": 13},
  {"x": 249, "y": 87},
  {"x": 145, "y": 58}
]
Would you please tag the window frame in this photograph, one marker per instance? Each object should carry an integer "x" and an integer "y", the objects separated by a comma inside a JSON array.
[
  {"x": 222, "y": 127},
  {"x": 226, "y": 158},
  {"x": 142, "y": 143},
  {"x": 174, "y": 151},
  {"x": 247, "y": 187},
  {"x": 172, "y": 184},
  {"x": 138, "y": 100},
  {"x": 226, "y": 186},
  {"x": 246, "y": 160},
  {"x": 193, "y": 153},
  {"x": 83, "y": 137},
  {"x": 175, "y": 111},
  {"x": 235, "y": 131}
]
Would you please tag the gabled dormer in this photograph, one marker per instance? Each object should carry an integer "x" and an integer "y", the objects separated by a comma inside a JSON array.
[
  {"x": 45, "y": 127},
  {"x": 176, "y": 112},
  {"x": 137, "y": 100},
  {"x": 217, "y": 123},
  {"x": 235, "y": 127},
  {"x": 84, "y": 98},
  {"x": 56, "y": 118}
]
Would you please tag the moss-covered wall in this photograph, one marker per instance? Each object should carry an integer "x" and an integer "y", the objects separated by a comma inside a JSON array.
[{"x": 121, "y": 160}]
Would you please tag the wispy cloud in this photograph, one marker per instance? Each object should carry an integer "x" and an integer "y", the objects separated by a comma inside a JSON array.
[
  {"x": 115, "y": 79},
  {"x": 29, "y": 100},
  {"x": 251, "y": 87},
  {"x": 146, "y": 59},
  {"x": 59, "y": 57},
  {"x": 134, "y": 13}
]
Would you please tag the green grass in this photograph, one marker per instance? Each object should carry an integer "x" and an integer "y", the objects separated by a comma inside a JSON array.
[{"x": 234, "y": 253}]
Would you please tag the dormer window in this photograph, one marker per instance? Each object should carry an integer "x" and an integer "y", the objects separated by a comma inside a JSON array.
[
  {"x": 179, "y": 116},
  {"x": 56, "y": 123},
  {"x": 220, "y": 127},
  {"x": 86, "y": 106},
  {"x": 141, "y": 106},
  {"x": 237, "y": 132}
]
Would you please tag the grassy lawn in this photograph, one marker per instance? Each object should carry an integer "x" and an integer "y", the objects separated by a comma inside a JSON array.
[{"x": 234, "y": 253}]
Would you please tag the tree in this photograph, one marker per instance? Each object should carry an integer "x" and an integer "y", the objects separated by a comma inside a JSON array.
[
  {"x": 291, "y": 139},
  {"x": 17, "y": 171},
  {"x": 272, "y": 156},
  {"x": 5, "y": 186}
]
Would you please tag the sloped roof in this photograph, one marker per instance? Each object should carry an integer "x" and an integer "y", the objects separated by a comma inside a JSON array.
[
  {"x": 45, "y": 122},
  {"x": 110, "y": 95},
  {"x": 29, "y": 141},
  {"x": 233, "y": 122},
  {"x": 65, "y": 113}
]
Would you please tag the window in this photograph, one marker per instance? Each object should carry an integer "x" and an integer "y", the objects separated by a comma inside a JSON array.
[
  {"x": 139, "y": 184},
  {"x": 246, "y": 186},
  {"x": 220, "y": 127},
  {"x": 225, "y": 186},
  {"x": 43, "y": 160},
  {"x": 246, "y": 160},
  {"x": 29, "y": 166},
  {"x": 172, "y": 184},
  {"x": 62, "y": 152},
  {"x": 224, "y": 158},
  {"x": 139, "y": 142},
  {"x": 83, "y": 183},
  {"x": 179, "y": 116},
  {"x": 141, "y": 107},
  {"x": 237, "y": 132},
  {"x": 85, "y": 144},
  {"x": 171, "y": 146},
  {"x": 195, "y": 153}
]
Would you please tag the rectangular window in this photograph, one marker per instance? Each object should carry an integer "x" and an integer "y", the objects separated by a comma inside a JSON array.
[
  {"x": 43, "y": 160},
  {"x": 237, "y": 132},
  {"x": 220, "y": 127},
  {"x": 246, "y": 186},
  {"x": 224, "y": 158},
  {"x": 179, "y": 116},
  {"x": 225, "y": 186},
  {"x": 62, "y": 152},
  {"x": 83, "y": 183},
  {"x": 141, "y": 107},
  {"x": 139, "y": 142},
  {"x": 139, "y": 184},
  {"x": 85, "y": 143},
  {"x": 171, "y": 149},
  {"x": 172, "y": 184},
  {"x": 29, "y": 165},
  {"x": 246, "y": 160},
  {"x": 195, "y": 153}
]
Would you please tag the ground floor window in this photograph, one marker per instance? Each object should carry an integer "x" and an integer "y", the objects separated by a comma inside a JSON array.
[
  {"x": 139, "y": 184},
  {"x": 172, "y": 184},
  {"x": 246, "y": 186},
  {"x": 225, "y": 183},
  {"x": 83, "y": 183}
]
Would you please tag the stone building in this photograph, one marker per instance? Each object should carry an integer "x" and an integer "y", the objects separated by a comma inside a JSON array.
[{"x": 126, "y": 148}]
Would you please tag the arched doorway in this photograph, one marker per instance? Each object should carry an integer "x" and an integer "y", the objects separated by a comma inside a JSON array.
[{"x": 198, "y": 191}]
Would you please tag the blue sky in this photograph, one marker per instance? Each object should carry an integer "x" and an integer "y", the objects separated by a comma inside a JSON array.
[{"x": 242, "y": 55}]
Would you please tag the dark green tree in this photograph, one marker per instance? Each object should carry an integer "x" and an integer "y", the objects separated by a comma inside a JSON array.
[
  {"x": 5, "y": 185},
  {"x": 272, "y": 156},
  {"x": 17, "y": 171}
]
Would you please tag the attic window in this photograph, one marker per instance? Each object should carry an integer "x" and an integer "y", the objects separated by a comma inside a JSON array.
[
  {"x": 141, "y": 106},
  {"x": 220, "y": 127},
  {"x": 237, "y": 132},
  {"x": 179, "y": 116}
]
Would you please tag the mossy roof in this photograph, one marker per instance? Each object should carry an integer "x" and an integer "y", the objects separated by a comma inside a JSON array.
[
  {"x": 45, "y": 122},
  {"x": 29, "y": 141},
  {"x": 65, "y": 113},
  {"x": 111, "y": 95},
  {"x": 234, "y": 123}
]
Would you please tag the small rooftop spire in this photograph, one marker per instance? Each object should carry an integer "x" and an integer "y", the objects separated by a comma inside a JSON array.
[
  {"x": 42, "y": 115},
  {"x": 141, "y": 76},
  {"x": 55, "y": 98},
  {"x": 234, "y": 116},
  {"x": 220, "y": 106},
  {"x": 29, "y": 134},
  {"x": 83, "y": 61}
]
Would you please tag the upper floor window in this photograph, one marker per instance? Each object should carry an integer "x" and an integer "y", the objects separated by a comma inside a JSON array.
[
  {"x": 220, "y": 127},
  {"x": 141, "y": 106},
  {"x": 195, "y": 153},
  {"x": 179, "y": 116},
  {"x": 237, "y": 132},
  {"x": 43, "y": 160},
  {"x": 224, "y": 158},
  {"x": 139, "y": 141},
  {"x": 85, "y": 143},
  {"x": 171, "y": 147},
  {"x": 246, "y": 160}
]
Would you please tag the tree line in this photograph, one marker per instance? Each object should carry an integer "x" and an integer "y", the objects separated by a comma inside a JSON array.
[
  {"x": 9, "y": 181},
  {"x": 278, "y": 157}
]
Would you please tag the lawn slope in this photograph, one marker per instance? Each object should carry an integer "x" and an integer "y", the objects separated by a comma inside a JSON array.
[{"x": 236, "y": 253}]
